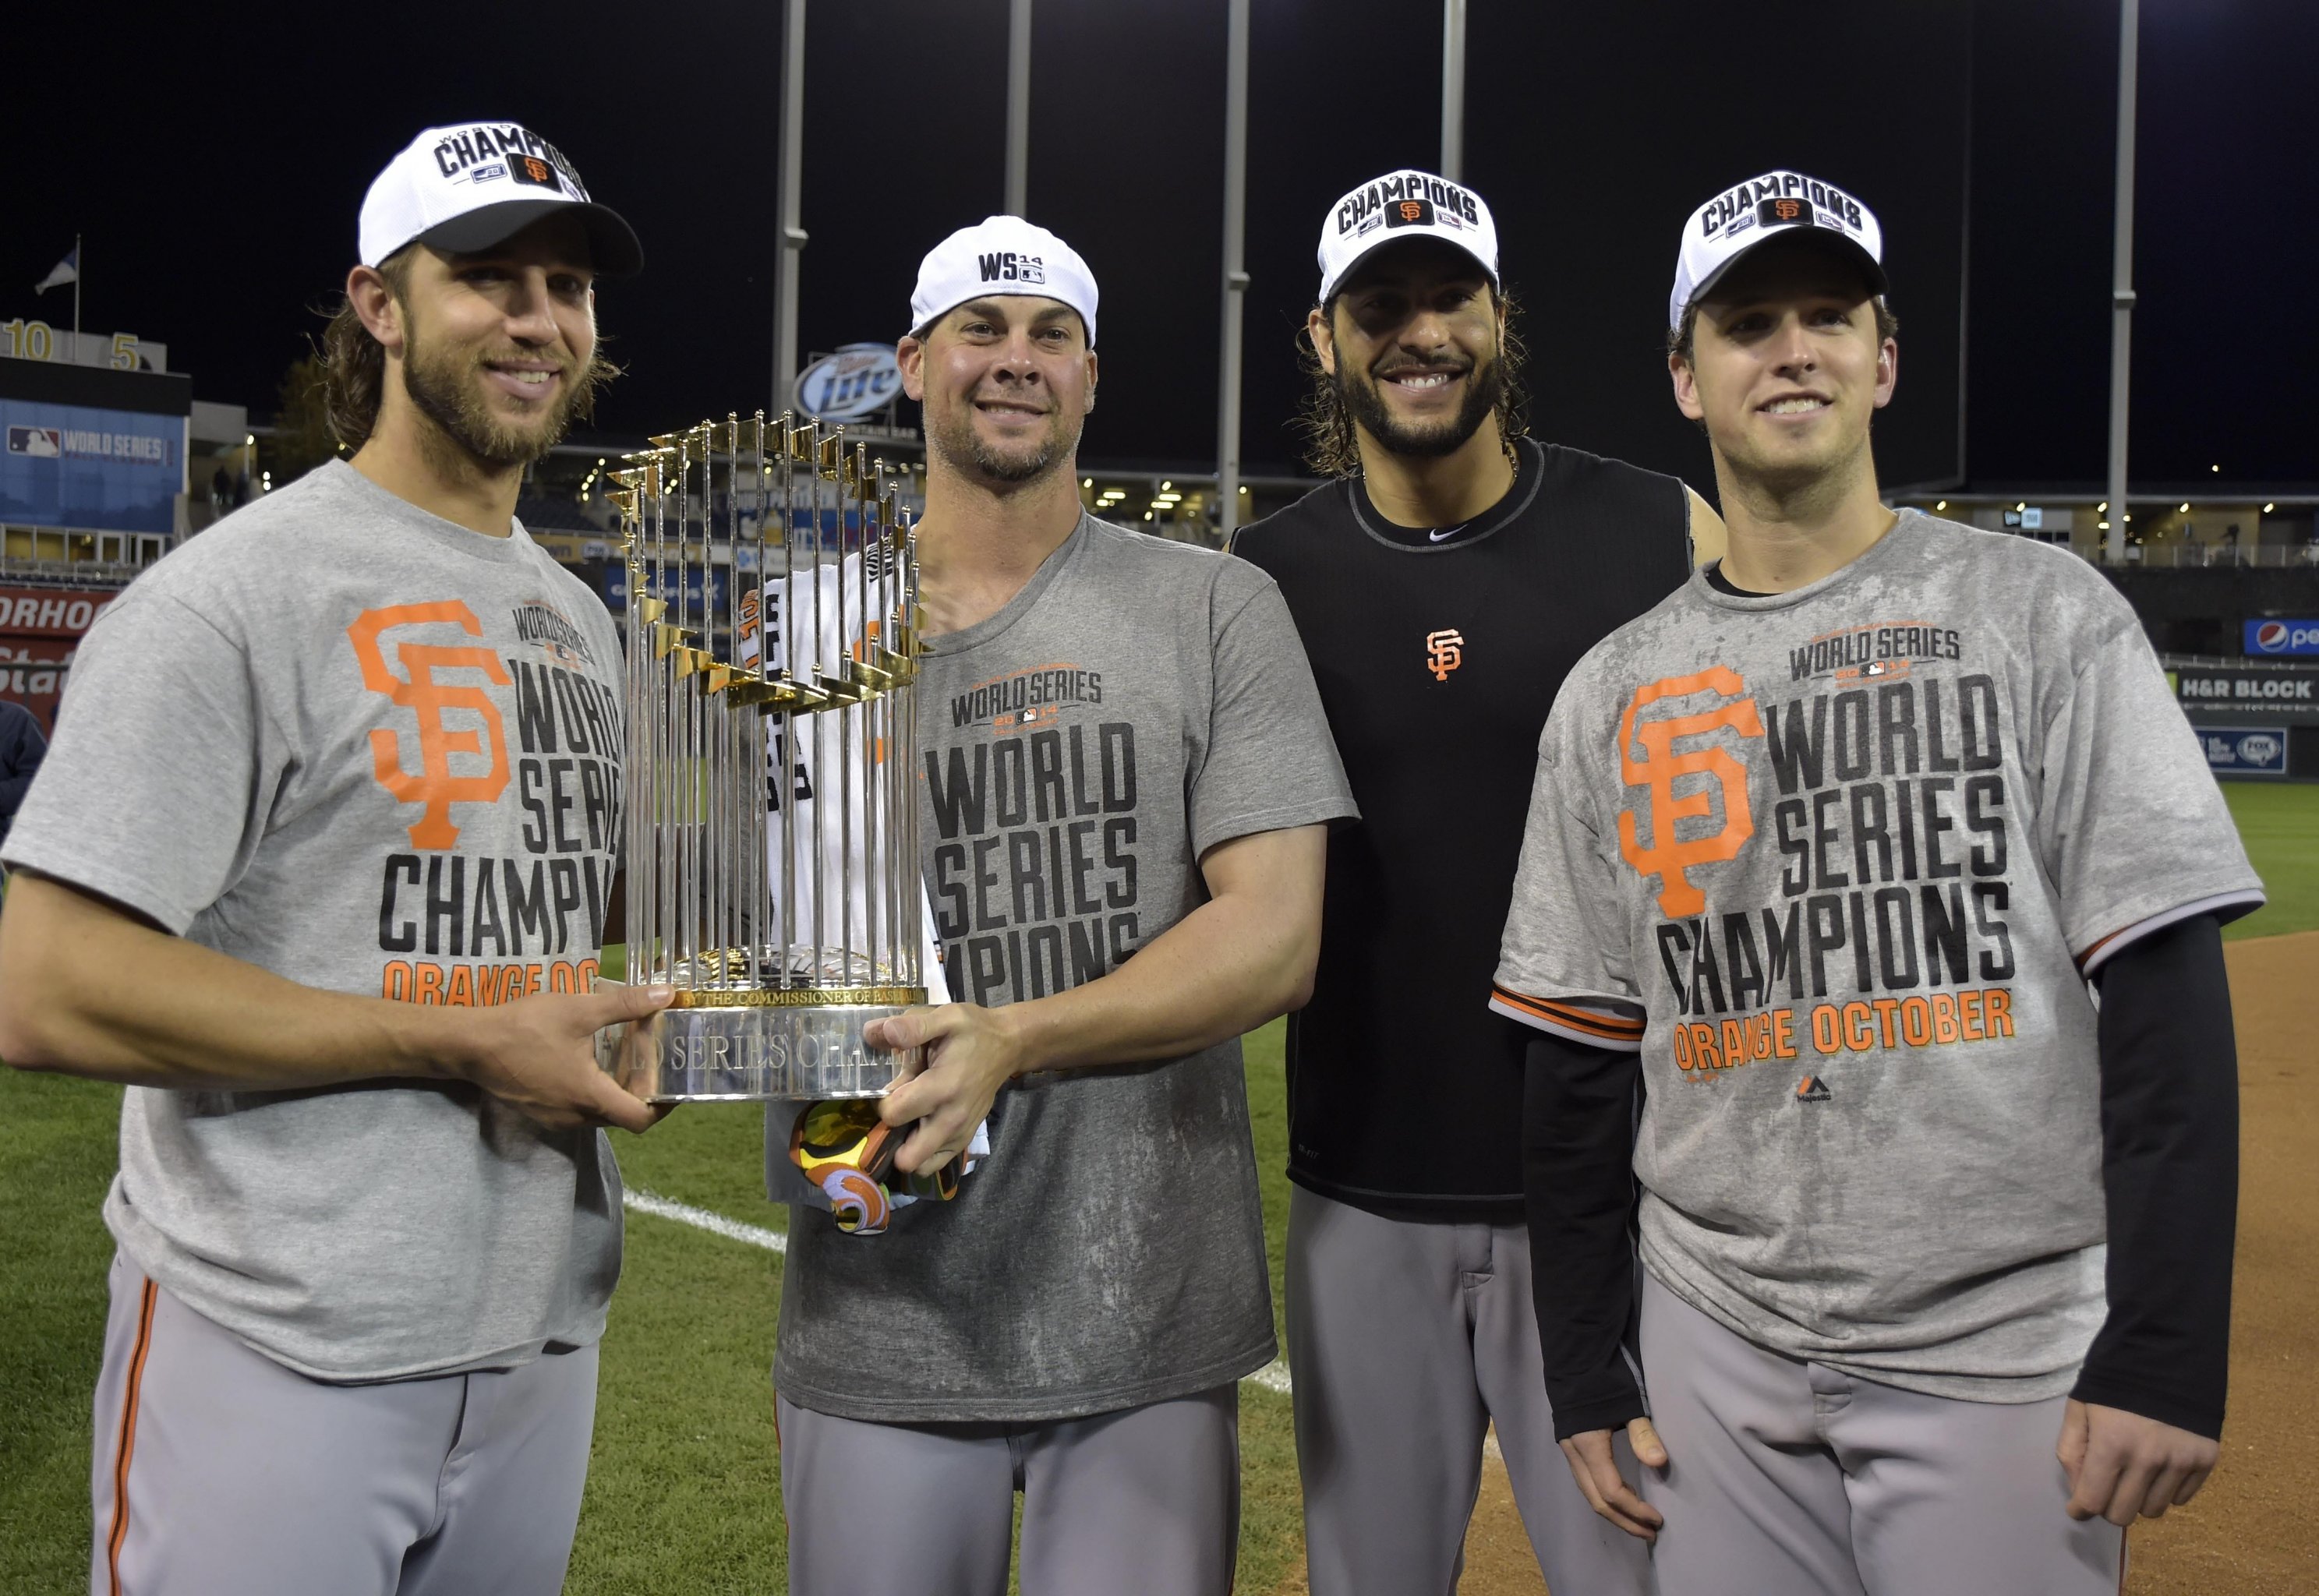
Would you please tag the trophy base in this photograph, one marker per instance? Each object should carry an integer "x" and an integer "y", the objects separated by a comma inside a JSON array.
[{"x": 801, "y": 1044}]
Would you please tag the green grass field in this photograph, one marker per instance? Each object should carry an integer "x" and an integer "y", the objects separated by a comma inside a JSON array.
[{"x": 683, "y": 1494}]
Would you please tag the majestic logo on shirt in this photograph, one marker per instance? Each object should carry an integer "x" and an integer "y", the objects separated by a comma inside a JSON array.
[
  {"x": 1445, "y": 651},
  {"x": 1812, "y": 1089},
  {"x": 1668, "y": 855},
  {"x": 436, "y": 785}
]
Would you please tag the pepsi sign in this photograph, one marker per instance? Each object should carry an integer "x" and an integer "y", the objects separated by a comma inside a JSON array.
[
  {"x": 2282, "y": 637},
  {"x": 858, "y": 379},
  {"x": 2244, "y": 753}
]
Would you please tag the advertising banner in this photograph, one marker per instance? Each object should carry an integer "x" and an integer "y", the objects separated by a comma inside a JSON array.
[
  {"x": 2276, "y": 637},
  {"x": 2232, "y": 751},
  {"x": 103, "y": 470},
  {"x": 859, "y": 379},
  {"x": 2289, "y": 691},
  {"x": 40, "y": 628}
]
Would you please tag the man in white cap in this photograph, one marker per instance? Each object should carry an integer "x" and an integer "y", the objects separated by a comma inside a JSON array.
[
  {"x": 1443, "y": 581},
  {"x": 317, "y": 869},
  {"x": 1125, "y": 779},
  {"x": 1828, "y": 854}
]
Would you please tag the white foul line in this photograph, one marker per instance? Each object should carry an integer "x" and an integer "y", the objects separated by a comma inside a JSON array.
[
  {"x": 716, "y": 1224},
  {"x": 1273, "y": 1377}
]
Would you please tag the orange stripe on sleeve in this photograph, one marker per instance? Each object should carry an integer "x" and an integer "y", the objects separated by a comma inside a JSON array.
[
  {"x": 1591, "y": 1022},
  {"x": 128, "y": 1442}
]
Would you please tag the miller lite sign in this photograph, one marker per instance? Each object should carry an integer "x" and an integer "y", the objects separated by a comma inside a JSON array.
[{"x": 857, "y": 380}]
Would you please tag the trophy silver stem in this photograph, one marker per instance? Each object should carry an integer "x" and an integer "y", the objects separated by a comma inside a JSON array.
[{"x": 774, "y": 983}]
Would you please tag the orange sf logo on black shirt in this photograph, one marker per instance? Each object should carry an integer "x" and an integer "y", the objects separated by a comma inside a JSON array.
[
  {"x": 434, "y": 786},
  {"x": 1445, "y": 651},
  {"x": 1663, "y": 855}
]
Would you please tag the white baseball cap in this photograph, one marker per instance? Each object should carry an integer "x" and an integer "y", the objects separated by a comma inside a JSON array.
[
  {"x": 470, "y": 185},
  {"x": 1001, "y": 255},
  {"x": 1404, "y": 204},
  {"x": 1745, "y": 214}
]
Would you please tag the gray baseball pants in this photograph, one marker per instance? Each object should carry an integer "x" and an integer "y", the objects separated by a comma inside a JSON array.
[
  {"x": 216, "y": 1469},
  {"x": 1406, "y": 1339},
  {"x": 1787, "y": 1478},
  {"x": 1144, "y": 1501}
]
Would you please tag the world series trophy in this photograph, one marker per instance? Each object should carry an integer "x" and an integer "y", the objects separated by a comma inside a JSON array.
[{"x": 771, "y": 831}]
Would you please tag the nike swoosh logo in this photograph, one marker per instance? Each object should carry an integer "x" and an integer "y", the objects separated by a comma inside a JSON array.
[{"x": 1437, "y": 537}]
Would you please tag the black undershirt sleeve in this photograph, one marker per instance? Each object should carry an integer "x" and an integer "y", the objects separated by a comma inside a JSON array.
[
  {"x": 1578, "y": 1185},
  {"x": 2171, "y": 1175}
]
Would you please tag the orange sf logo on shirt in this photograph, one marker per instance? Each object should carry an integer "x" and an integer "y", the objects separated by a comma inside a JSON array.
[
  {"x": 1445, "y": 651},
  {"x": 1664, "y": 856},
  {"x": 434, "y": 786}
]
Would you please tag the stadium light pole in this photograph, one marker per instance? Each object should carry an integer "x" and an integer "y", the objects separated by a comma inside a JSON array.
[
  {"x": 1453, "y": 89},
  {"x": 1018, "y": 107},
  {"x": 1235, "y": 264},
  {"x": 2121, "y": 289},
  {"x": 789, "y": 260}
]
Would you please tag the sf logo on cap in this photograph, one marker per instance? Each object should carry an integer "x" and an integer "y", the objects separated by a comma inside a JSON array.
[
  {"x": 1410, "y": 213},
  {"x": 1772, "y": 213},
  {"x": 1667, "y": 854},
  {"x": 531, "y": 169}
]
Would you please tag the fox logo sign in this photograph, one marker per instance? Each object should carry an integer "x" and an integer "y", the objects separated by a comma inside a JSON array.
[
  {"x": 1665, "y": 854},
  {"x": 1006, "y": 266}
]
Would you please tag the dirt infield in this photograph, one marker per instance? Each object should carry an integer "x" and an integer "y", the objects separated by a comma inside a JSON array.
[{"x": 2254, "y": 1530}]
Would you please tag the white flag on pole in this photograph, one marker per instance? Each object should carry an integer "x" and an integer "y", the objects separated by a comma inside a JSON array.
[{"x": 66, "y": 270}]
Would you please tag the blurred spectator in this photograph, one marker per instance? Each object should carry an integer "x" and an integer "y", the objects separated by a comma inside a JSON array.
[{"x": 21, "y": 748}]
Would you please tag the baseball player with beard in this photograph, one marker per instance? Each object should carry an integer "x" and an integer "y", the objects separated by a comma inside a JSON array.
[
  {"x": 1442, "y": 583},
  {"x": 317, "y": 868},
  {"x": 1880, "y": 859}
]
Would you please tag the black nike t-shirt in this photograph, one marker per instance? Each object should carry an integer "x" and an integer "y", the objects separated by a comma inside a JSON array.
[{"x": 1437, "y": 652}]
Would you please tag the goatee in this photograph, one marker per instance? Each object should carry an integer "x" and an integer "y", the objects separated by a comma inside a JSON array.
[
  {"x": 453, "y": 400},
  {"x": 1486, "y": 386}
]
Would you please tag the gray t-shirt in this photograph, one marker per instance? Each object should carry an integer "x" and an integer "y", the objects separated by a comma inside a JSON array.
[
  {"x": 1139, "y": 702},
  {"x": 372, "y": 752},
  {"x": 1838, "y": 860}
]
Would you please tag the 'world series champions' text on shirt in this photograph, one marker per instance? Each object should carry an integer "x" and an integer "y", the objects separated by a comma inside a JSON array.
[
  {"x": 1836, "y": 860},
  {"x": 1138, "y": 703}
]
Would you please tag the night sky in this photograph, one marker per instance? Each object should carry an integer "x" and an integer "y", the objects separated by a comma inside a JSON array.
[{"x": 215, "y": 163}]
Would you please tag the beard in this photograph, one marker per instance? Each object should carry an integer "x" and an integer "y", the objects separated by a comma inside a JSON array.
[
  {"x": 1486, "y": 387},
  {"x": 954, "y": 436},
  {"x": 446, "y": 386}
]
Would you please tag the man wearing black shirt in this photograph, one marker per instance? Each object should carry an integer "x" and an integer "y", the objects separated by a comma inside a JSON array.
[{"x": 1443, "y": 584}]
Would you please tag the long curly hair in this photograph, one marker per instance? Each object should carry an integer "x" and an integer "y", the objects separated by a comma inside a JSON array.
[{"x": 1332, "y": 441}]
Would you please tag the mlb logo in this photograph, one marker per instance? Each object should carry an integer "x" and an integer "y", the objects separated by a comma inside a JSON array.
[
  {"x": 41, "y": 443},
  {"x": 486, "y": 173},
  {"x": 1409, "y": 214},
  {"x": 534, "y": 172}
]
